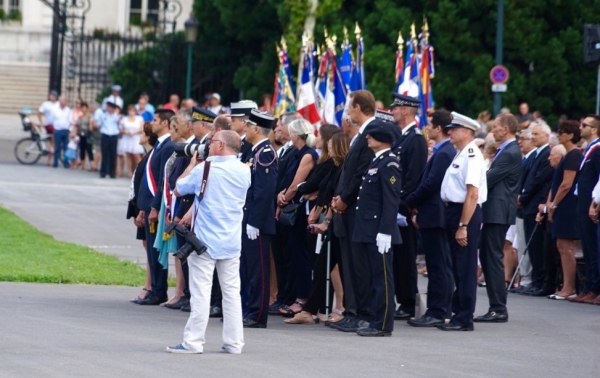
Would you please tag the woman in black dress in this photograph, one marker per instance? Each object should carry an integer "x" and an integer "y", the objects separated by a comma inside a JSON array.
[{"x": 562, "y": 203}]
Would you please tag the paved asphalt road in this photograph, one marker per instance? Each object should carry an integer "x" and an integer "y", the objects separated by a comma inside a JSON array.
[{"x": 92, "y": 331}]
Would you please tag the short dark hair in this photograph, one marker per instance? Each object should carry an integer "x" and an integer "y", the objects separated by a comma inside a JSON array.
[
  {"x": 441, "y": 118},
  {"x": 570, "y": 127},
  {"x": 508, "y": 120},
  {"x": 164, "y": 114},
  {"x": 365, "y": 100},
  {"x": 596, "y": 119},
  {"x": 221, "y": 123}
]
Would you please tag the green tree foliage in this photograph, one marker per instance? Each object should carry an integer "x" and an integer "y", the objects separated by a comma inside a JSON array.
[{"x": 542, "y": 46}]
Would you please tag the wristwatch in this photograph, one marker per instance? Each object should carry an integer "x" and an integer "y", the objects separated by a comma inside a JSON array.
[{"x": 461, "y": 224}]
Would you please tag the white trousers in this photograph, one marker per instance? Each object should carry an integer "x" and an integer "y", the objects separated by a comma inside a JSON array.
[
  {"x": 520, "y": 246},
  {"x": 201, "y": 270}
]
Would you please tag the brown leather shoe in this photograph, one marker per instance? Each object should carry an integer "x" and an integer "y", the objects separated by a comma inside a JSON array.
[
  {"x": 595, "y": 300},
  {"x": 581, "y": 298}
]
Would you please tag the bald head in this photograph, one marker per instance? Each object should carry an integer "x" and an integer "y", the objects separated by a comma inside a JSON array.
[{"x": 231, "y": 140}]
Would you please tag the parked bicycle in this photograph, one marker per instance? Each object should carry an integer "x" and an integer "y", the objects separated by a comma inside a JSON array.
[{"x": 29, "y": 150}]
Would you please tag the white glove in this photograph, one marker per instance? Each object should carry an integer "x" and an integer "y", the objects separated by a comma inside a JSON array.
[
  {"x": 401, "y": 220},
  {"x": 384, "y": 243},
  {"x": 252, "y": 232}
]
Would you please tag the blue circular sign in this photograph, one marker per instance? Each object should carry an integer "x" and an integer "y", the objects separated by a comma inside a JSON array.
[{"x": 499, "y": 75}]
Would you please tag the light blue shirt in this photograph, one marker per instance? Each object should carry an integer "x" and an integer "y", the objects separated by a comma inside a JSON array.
[
  {"x": 439, "y": 145},
  {"x": 110, "y": 124},
  {"x": 218, "y": 218},
  {"x": 504, "y": 144}
]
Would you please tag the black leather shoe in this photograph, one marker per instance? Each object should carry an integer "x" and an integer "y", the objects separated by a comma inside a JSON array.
[
  {"x": 425, "y": 321},
  {"x": 341, "y": 323},
  {"x": 528, "y": 290},
  {"x": 454, "y": 327},
  {"x": 402, "y": 315},
  {"x": 274, "y": 308},
  {"x": 492, "y": 317},
  {"x": 252, "y": 324},
  {"x": 372, "y": 332},
  {"x": 186, "y": 307},
  {"x": 215, "y": 312},
  {"x": 177, "y": 305},
  {"x": 542, "y": 293},
  {"x": 152, "y": 300}
]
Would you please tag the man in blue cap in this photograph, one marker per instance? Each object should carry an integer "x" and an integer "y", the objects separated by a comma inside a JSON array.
[
  {"x": 411, "y": 151},
  {"x": 375, "y": 230},
  {"x": 114, "y": 97}
]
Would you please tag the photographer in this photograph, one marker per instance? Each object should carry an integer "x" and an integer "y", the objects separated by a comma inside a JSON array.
[{"x": 217, "y": 212}]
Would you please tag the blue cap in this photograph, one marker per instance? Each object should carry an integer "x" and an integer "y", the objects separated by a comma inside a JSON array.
[
  {"x": 402, "y": 100},
  {"x": 379, "y": 131}
]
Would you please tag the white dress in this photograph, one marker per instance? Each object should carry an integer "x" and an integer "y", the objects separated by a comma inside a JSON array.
[{"x": 131, "y": 143}]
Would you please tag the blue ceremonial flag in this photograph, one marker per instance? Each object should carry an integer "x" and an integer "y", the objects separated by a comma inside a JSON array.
[
  {"x": 346, "y": 65},
  {"x": 339, "y": 91},
  {"x": 358, "y": 73}
]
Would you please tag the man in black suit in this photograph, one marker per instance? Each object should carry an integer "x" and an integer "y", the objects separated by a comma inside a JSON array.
[
  {"x": 149, "y": 200},
  {"x": 258, "y": 224},
  {"x": 411, "y": 150},
  {"x": 286, "y": 294},
  {"x": 586, "y": 180},
  {"x": 499, "y": 212},
  {"x": 427, "y": 204},
  {"x": 355, "y": 271},
  {"x": 375, "y": 231},
  {"x": 535, "y": 185}
]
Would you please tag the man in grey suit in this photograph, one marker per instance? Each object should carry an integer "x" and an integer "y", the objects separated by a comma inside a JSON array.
[{"x": 499, "y": 212}]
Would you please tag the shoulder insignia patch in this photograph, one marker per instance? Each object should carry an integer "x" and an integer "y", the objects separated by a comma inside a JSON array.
[
  {"x": 470, "y": 150},
  {"x": 267, "y": 150},
  {"x": 381, "y": 157},
  {"x": 393, "y": 164},
  {"x": 471, "y": 155},
  {"x": 393, "y": 180},
  {"x": 418, "y": 131}
]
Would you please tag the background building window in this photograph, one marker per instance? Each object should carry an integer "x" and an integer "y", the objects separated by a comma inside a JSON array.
[
  {"x": 10, "y": 10},
  {"x": 13, "y": 5},
  {"x": 143, "y": 12}
]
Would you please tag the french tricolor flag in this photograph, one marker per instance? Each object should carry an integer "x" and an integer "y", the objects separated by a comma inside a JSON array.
[{"x": 307, "y": 103}]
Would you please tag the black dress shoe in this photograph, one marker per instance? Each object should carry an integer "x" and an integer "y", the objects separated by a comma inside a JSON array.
[
  {"x": 454, "y": 327},
  {"x": 252, "y": 324},
  {"x": 274, "y": 308},
  {"x": 152, "y": 300},
  {"x": 425, "y": 321},
  {"x": 372, "y": 332},
  {"x": 186, "y": 307},
  {"x": 542, "y": 293},
  {"x": 402, "y": 315},
  {"x": 177, "y": 305},
  {"x": 528, "y": 290},
  {"x": 215, "y": 312},
  {"x": 354, "y": 326},
  {"x": 341, "y": 323},
  {"x": 492, "y": 317}
]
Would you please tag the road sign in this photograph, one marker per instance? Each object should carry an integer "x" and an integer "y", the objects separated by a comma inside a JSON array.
[
  {"x": 499, "y": 87},
  {"x": 499, "y": 75}
]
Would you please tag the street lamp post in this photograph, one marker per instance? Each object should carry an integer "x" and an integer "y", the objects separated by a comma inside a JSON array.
[
  {"x": 499, "y": 48},
  {"x": 191, "y": 33}
]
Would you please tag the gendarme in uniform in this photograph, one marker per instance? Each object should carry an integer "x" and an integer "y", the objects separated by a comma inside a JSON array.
[{"x": 463, "y": 223}]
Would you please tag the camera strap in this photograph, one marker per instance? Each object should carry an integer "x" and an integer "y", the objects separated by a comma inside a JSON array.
[{"x": 202, "y": 190}]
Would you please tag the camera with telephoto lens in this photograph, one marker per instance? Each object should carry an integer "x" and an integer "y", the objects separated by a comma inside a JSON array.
[
  {"x": 192, "y": 243},
  {"x": 188, "y": 149}
]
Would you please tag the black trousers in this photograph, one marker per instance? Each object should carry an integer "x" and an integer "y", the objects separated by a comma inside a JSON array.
[
  {"x": 382, "y": 287},
  {"x": 589, "y": 244},
  {"x": 536, "y": 249},
  {"x": 318, "y": 291},
  {"x": 85, "y": 147},
  {"x": 301, "y": 257},
  {"x": 491, "y": 256},
  {"x": 158, "y": 273},
  {"x": 255, "y": 275},
  {"x": 405, "y": 269},
  {"x": 551, "y": 259},
  {"x": 464, "y": 264},
  {"x": 356, "y": 273},
  {"x": 108, "y": 146},
  {"x": 283, "y": 266},
  {"x": 440, "y": 283},
  {"x": 185, "y": 268}
]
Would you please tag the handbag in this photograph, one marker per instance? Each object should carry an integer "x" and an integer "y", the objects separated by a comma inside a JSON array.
[{"x": 288, "y": 214}]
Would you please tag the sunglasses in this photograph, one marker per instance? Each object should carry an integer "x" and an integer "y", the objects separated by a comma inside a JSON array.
[{"x": 584, "y": 125}]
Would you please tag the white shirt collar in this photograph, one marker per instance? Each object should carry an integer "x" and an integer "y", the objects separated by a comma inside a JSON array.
[
  {"x": 243, "y": 137},
  {"x": 203, "y": 140},
  {"x": 259, "y": 142},
  {"x": 162, "y": 138},
  {"x": 408, "y": 127},
  {"x": 379, "y": 153},
  {"x": 190, "y": 139},
  {"x": 529, "y": 153},
  {"x": 364, "y": 125},
  {"x": 539, "y": 149}
]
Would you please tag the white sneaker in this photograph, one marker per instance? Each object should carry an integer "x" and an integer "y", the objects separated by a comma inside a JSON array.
[{"x": 180, "y": 349}]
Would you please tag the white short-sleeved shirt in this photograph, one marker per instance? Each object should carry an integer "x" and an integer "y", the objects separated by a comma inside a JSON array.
[
  {"x": 467, "y": 168},
  {"x": 218, "y": 218},
  {"x": 47, "y": 109},
  {"x": 62, "y": 118}
]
